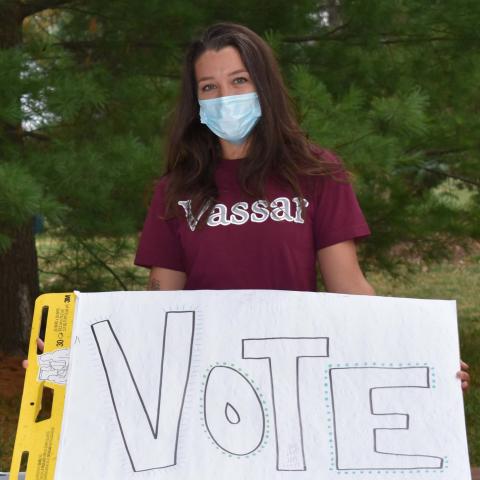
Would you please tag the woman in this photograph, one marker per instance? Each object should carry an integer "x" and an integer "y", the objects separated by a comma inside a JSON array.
[{"x": 246, "y": 201}]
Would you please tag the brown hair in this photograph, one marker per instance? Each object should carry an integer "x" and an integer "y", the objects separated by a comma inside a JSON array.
[{"x": 277, "y": 146}]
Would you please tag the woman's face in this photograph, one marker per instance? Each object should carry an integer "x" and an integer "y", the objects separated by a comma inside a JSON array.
[{"x": 222, "y": 73}]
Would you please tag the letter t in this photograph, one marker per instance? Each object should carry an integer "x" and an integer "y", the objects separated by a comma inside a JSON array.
[{"x": 283, "y": 355}]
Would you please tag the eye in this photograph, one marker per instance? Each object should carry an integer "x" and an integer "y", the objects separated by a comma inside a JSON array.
[
  {"x": 207, "y": 87},
  {"x": 240, "y": 80}
]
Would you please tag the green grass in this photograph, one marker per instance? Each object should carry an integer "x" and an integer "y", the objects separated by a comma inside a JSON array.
[{"x": 461, "y": 282}]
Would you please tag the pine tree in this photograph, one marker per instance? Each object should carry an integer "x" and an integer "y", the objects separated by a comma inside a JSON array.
[
  {"x": 18, "y": 192},
  {"x": 86, "y": 89}
]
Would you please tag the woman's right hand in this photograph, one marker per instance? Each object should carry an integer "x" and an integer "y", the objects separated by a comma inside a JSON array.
[{"x": 40, "y": 346}]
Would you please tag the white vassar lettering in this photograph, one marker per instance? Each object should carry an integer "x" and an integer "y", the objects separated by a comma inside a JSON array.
[
  {"x": 298, "y": 213},
  {"x": 239, "y": 213},
  {"x": 260, "y": 211},
  {"x": 192, "y": 221},
  {"x": 218, "y": 216},
  {"x": 279, "y": 210}
]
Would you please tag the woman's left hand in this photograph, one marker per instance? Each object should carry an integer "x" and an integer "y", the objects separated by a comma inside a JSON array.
[{"x": 464, "y": 376}]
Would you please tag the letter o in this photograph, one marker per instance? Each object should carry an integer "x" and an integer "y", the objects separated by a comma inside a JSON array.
[{"x": 233, "y": 411}]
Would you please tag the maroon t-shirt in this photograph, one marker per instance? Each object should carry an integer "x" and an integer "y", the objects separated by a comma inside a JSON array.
[{"x": 262, "y": 244}]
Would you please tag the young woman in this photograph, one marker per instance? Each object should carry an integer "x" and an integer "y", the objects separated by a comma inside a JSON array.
[
  {"x": 247, "y": 201},
  {"x": 233, "y": 145}
]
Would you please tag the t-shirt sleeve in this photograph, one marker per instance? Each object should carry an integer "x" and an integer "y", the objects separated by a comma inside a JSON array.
[
  {"x": 159, "y": 244},
  {"x": 338, "y": 216}
]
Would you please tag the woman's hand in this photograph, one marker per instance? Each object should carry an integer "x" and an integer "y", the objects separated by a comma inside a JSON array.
[
  {"x": 464, "y": 376},
  {"x": 40, "y": 346}
]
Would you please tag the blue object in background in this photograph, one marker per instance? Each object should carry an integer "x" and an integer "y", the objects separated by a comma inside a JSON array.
[{"x": 38, "y": 224}]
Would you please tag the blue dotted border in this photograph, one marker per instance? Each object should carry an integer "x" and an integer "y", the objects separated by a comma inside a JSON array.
[
  {"x": 329, "y": 412},
  {"x": 266, "y": 436}
]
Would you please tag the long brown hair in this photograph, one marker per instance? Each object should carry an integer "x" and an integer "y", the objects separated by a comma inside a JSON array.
[{"x": 277, "y": 145}]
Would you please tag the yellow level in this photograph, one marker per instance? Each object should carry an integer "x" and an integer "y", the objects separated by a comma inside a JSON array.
[{"x": 41, "y": 412}]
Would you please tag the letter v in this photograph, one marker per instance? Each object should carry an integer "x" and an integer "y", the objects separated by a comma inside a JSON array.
[{"x": 149, "y": 445}]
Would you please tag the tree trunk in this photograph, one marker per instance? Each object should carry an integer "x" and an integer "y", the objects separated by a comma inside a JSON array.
[
  {"x": 11, "y": 18},
  {"x": 18, "y": 290},
  {"x": 18, "y": 266},
  {"x": 333, "y": 9}
]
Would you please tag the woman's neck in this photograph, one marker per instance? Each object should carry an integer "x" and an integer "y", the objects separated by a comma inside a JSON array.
[{"x": 231, "y": 151}]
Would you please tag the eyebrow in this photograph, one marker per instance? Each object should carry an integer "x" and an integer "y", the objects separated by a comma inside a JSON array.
[
  {"x": 235, "y": 72},
  {"x": 242, "y": 70}
]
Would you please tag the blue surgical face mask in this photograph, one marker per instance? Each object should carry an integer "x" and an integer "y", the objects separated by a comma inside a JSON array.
[{"x": 231, "y": 118}]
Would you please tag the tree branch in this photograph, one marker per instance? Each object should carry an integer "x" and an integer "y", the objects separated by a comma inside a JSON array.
[
  {"x": 35, "y": 6},
  {"x": 37, "y": 136},
  {"x": 383, "y": 41},
  {"x": 438, "y": 152},
  {"x": 90, "y": 44},
  {"x": 461, "y": 178},
  {"x": 337, "y": 29},
  {"x": 102, "y": 263},
  {"x": 447, "y": 151},
  {"x": 89, "y": 12},
  {"x": 354, "y": 140},
  {"x": 311, "y": 38},
  {"x": 412, "y": 39}
]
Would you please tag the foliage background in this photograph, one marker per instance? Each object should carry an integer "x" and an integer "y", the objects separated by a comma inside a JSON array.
[{"x": 389, "y": 85}]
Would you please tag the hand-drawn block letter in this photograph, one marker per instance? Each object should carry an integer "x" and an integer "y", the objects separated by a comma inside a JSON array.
[
  {"x": 283, "y": 355},
  {"x": 233, "y": 411},
  {"x": 150, "y": 443},
  {"x": 360, "y": 417}
]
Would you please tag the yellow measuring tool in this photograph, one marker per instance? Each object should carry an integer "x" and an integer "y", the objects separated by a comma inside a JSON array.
[{"x": 41, "y": 412}]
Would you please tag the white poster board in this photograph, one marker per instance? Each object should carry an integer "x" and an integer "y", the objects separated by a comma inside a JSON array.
[{"x": 262, "y": 385}]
